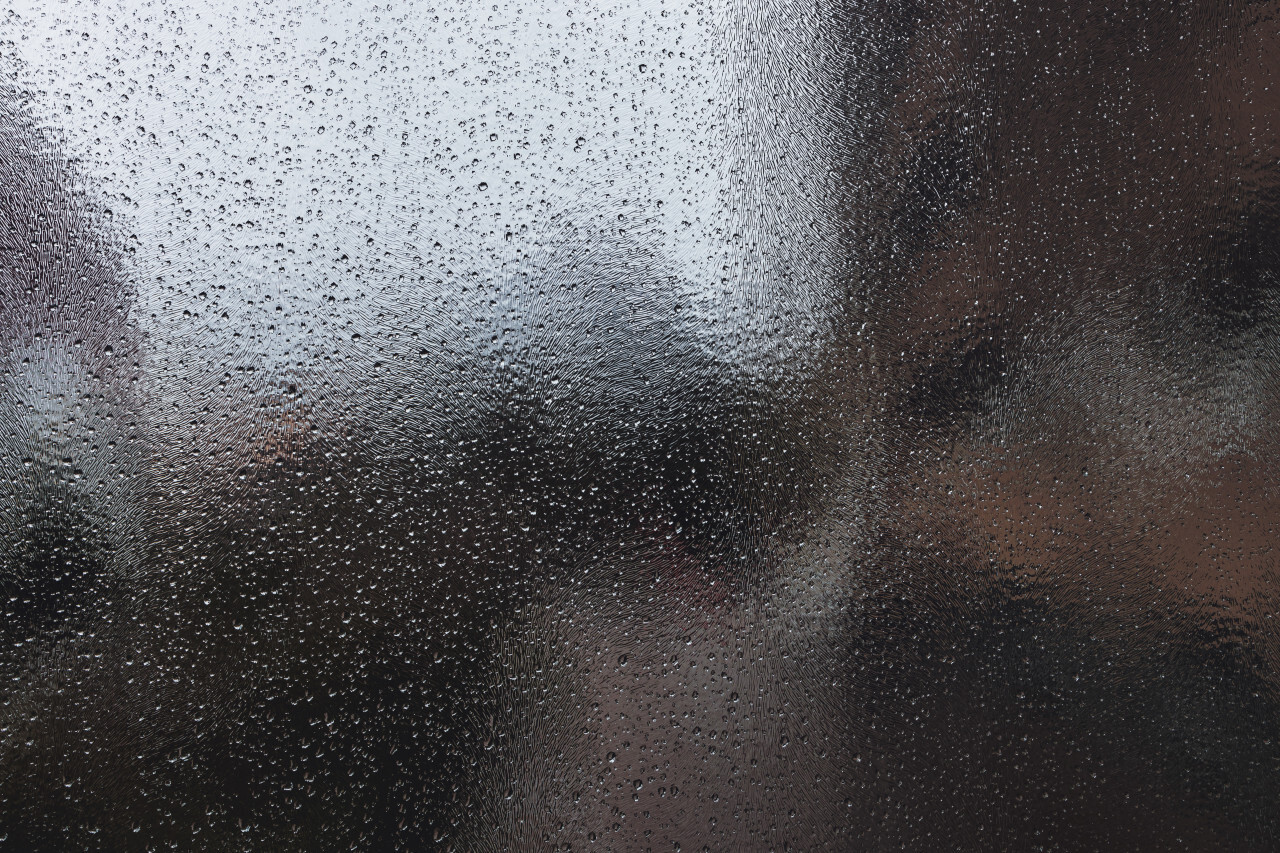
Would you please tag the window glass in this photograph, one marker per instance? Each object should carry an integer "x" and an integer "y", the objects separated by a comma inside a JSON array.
[{"x": 661, "y": 425}]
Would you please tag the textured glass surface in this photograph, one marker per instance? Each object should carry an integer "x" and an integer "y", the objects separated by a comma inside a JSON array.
[{"x": 639, "y": 425}]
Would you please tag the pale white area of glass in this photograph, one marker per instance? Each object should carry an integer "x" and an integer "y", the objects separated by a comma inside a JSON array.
[{"x": 252, "y": 146}]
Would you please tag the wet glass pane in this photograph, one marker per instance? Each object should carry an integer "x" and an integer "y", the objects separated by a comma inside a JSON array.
[{"x": 663, "y": 425}]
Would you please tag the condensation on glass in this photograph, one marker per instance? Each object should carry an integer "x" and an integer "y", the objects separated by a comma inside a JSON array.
[{"x": 713, "y": 425}]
